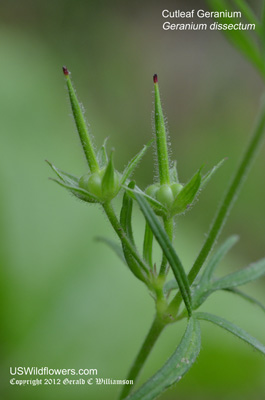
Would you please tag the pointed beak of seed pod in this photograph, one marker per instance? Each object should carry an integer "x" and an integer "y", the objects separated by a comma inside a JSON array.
[{"x": 65, "y": 71}]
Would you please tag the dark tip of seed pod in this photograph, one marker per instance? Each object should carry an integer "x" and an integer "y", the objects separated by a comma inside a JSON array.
[
  {"x": 65, "y": 71},
  {"x": 155, "y": 78}
]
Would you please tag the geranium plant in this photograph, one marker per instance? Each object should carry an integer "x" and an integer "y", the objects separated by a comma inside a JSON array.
[{"x": 161, "y": 203}]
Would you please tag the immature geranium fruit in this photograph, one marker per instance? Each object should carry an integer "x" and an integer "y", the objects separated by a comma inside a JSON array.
[
  {"x": 165, "y": 194},
  {"x": 102, "y": 182},
  {"x": 169, "y": 197}
]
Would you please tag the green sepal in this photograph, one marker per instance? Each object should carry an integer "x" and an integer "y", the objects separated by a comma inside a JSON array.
[
  {"x": 71, "y": 182},
  {"x": 102, "y": 156},
  {"x": 109, "y": 184},
  {"x": 134, "y": 162},
  {"x": 82, "y": 194},
  {"x": 64, "y": 176},
  {"x": 185, "y": 198}
]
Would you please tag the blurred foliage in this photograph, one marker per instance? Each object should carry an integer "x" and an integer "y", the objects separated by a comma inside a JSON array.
[{"x": 66, "y": 300}]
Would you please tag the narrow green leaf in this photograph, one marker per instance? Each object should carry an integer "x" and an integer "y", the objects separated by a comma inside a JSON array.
[
  {"x": 239, "y": 38},
  {"x": 234, "y": 329},
  {"x": 246, "y": 297},
  {"x": 263, "y": 17},
  {"x": 187, "y": 194},
  {"x": 113, "y": 245},
  {"x": 246, "y": 275},
  {"x": 148, "y": 245},
  {"x": 130, "y": 252},
  {"x": 175, "y": 367},
  {"x": 126, "y": 213},
  {"x": 102, "y": 155},
  {"x": 204, "y": 288},
  {"x": 167, "y": 248},
  {"x": 126, "y": 224},
  {"x": 210, "y": 173},
  {"x": 134, "y": 162},
  {"x": 242, "y": 6},
  {"x": 78, "y": 192},
  {"x": 216, "y": 258}
]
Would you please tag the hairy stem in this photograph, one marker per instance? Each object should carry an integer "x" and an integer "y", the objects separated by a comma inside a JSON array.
[
  {"x": 226, "y": 204},
  {"x": 151, "y": 338}
]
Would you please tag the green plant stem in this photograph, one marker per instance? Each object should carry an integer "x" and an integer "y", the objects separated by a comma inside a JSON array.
[
  {"x": 169, "y": 228},
  {"x": 226, "y": 205},
  {"x": 151, "y": 338},
  {"x": 124, "y": 239}
]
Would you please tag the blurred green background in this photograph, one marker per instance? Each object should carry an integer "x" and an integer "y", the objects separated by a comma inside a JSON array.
[{"x": 67, "y": 301}]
